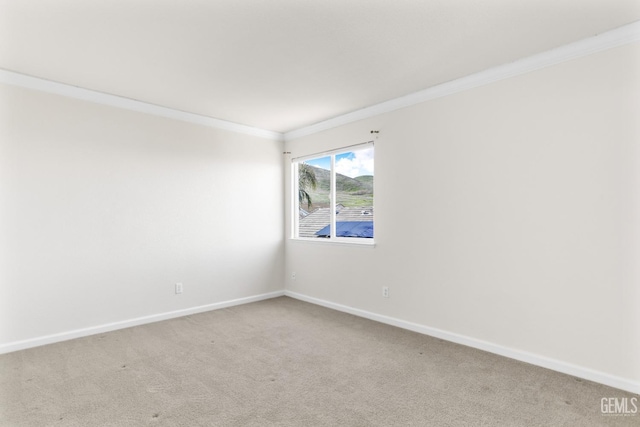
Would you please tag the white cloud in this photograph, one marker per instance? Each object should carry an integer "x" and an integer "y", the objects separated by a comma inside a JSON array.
[{"x": 360, "y": 164}]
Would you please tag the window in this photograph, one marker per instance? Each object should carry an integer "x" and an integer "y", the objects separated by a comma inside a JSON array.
[{"x": 333, "y": 195}]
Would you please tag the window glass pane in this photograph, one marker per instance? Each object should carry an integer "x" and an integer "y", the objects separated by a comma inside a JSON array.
[
  {"x": 354, "y": 193},
  {"x": 314, "y": 189},
  {"x": 354, "y": 175}
]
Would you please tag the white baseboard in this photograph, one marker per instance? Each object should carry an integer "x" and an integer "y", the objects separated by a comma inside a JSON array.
[
  {"x": 523, "y": 356},
  {"x": 78, "y": 333}
]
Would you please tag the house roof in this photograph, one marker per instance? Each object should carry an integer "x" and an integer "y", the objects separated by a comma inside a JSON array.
[{"x": 320, "y": 218}]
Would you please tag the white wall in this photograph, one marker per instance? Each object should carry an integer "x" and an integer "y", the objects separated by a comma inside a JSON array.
[
  {"x": 102, "y": 210},
  {"x": 507, "y": 214}
]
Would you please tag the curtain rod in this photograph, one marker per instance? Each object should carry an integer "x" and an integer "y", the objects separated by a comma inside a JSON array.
[{"x": 329, "y": 152}]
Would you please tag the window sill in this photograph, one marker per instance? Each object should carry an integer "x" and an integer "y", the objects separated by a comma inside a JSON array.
[{"x": 365, "y": 243}]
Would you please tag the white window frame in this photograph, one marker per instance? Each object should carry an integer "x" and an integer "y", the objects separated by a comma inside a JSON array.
[{"x": 295, "y": 220}]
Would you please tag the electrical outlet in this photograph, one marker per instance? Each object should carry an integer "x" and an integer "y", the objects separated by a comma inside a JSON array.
[
  {"x": 178, "y": 288},
  {"x": 293, "y": 276},
  {"x": 385, "y": 291}
]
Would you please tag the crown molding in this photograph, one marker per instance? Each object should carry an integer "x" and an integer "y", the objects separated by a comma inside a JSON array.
[
  {"x": 618, "y": 37},
  {"x": 30, "y": 82}
]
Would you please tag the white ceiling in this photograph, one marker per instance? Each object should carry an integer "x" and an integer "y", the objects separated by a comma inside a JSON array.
[{"x": 284, "y": 64}]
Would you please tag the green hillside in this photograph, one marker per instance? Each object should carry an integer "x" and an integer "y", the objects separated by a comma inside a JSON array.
[{"x": 350, "y": 192}]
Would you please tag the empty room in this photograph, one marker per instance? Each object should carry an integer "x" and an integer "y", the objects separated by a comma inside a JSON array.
[{"x": 319, "y": 213}]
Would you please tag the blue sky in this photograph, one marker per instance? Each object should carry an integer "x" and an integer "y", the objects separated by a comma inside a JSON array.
[
  {"x": 320, "y": 162},
  {"x": 352, "y": 164}
]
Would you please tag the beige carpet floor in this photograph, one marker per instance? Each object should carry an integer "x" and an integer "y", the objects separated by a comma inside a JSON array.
[{"x": 287, "y": 363}]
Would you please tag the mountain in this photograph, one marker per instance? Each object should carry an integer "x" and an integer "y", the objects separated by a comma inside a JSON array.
[{"x": 350, "y": 191}]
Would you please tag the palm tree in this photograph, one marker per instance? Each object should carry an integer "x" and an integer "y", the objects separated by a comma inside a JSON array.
[{"x": 306, "y": 179}]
